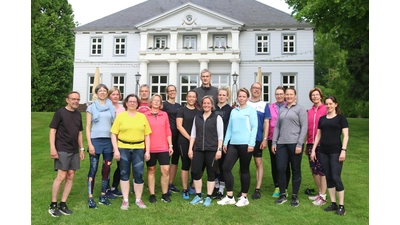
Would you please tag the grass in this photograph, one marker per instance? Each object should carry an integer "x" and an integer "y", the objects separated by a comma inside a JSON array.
[{"x": 355, "y": 177}]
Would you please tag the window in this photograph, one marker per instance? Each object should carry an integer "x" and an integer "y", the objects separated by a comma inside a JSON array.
[
  {"x": 220, "y": 80},
  {"x": 119, "y": 82},
  {"x": 119, "y": 46},
  {"x": 262, "y": 43},
  {"x": 96, "y": 46},
  {"x": 289, "y": 80},
  {"x": 288, "y": 43},
  {"x": 266, "y": 88},
  {"x": 220, "y": 40},
  {"x": 160, "y": 42},
  {"x": 189, "y": 42},
  {"x": 158, "y": 85},
  {"x": 90, "y": 89},
  {"x": 188, "y": 82}
]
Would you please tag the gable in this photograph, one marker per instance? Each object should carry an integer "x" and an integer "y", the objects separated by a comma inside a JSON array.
[{"x": 189, "y": 15}]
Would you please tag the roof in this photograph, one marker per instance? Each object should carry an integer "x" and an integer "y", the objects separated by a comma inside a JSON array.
[{"x": 253, "y": 13}]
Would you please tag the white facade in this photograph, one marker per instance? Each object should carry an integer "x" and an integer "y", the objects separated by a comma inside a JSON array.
[{"x": 197, "y": 29}]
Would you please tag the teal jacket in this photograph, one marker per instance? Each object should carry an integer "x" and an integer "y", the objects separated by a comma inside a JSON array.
[{"x": 242, "y": 127}]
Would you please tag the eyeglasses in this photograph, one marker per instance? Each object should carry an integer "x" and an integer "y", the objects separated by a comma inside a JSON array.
[{"x": 75, "y": 99}]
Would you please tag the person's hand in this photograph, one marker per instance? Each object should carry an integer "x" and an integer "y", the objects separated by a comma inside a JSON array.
[
  {"x": 250, "y": 149},
  {"x": 53, "y": 153},
  {"x": 147, "y": 156},
  {"x": 263, "y": 145},
  {"x": 342, "y": 156},
  {"x": 273, "y": 149},
  {"x": 298, "y": 150},
  {"x": 117, "y": 155},
  {"x": 218, "y": 155},
  {"x": 190, "y": 154},
  {"x": 313, "y": 156},
  {"x": 224, "y": 148},
  {"x": 82, "y": 155},
  {"x": 91, "y": 150},
  {"x": 171, "y": 150}
]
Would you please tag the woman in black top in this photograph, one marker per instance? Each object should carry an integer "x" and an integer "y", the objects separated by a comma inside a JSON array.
[
  {"x": 184, "y": 122},
  {"x": 332, "y": 151},
  {"x": 171, "y": 108}
]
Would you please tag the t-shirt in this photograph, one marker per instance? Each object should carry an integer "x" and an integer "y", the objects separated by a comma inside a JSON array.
[
  {"x": 144, "y": 107},
  {"x": 101, "y": 128},
  {"x": 160, "y": 130},
  {"x": 68, "y": 125},
  {"x": 187, "y": 115},
  {"x": 131, "y": 129},
  {"x": 331, "y": 131},
  {"x": 172, "y": 110},
  {"x": 263, "y": 113}
]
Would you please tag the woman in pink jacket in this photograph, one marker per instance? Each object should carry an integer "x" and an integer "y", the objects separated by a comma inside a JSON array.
[
  {"x": 274, "y": 109},
  {"x": 161, "y": 147},
  {"x": 317, "y": 110}
]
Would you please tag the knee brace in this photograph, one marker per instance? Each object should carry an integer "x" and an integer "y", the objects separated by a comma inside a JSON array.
[{"x": 106, "y": 169}]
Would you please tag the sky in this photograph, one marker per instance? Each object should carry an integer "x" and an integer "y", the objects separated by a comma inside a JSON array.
[{"x": 87, "y": 11}]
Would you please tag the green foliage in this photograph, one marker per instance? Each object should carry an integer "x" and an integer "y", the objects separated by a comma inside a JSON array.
[
  {"x": 355, "y": 177},
  {"x": 52, "y": 53},
  {"x": 344, "y": 26}
]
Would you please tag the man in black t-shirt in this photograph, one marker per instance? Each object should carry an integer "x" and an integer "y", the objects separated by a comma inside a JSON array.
[
  {"x": 65, "y": 141},
  {"x": 206, "y": 88}
]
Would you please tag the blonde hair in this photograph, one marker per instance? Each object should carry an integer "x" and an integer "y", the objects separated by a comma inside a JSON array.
[
  {"x": 112, "y": 89},
  {"x": 211, "y": 99},
  {"x": 152, "y": 98},
  {"x": 228, "y": 91}
]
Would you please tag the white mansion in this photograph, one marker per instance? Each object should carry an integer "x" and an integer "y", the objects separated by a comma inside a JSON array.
[{"x": 171, "y": 41}]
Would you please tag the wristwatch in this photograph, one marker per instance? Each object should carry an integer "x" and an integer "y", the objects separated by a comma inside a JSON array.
[
  {"x": 265, "y": 138},
  {"x": 82, "y": 149},
  {"x": 219, "y": 149}
]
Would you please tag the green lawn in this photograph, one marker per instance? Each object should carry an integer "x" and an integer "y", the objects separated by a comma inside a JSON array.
[{"x": 263, "y": 211}]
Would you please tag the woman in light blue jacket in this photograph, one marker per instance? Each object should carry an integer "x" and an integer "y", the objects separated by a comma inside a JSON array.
[{"x": 241, "y": 136}]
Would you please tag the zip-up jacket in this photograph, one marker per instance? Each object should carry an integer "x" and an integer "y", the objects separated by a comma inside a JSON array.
[
  {"x": 313, "y": 117},
  {"x": 274, "y": 110}
]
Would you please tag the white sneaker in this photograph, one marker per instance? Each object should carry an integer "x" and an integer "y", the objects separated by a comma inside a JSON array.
[
  {"x": 313, "y": 198},
  {"x": 243, "y": 201},
  {"x": 227, "y": 201}
]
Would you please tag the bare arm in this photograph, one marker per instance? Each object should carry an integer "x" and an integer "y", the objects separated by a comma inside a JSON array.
[
  {"x": 52, "y": 140},
  {"x": 179, "y": 122},
  {"x": 88, "y": 138}
]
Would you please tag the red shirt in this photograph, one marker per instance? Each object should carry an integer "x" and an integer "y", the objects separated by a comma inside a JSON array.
[{"x": 160, "y": 130}]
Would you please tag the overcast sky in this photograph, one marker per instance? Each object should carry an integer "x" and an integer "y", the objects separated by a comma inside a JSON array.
[{"x": 86, "y": 11}]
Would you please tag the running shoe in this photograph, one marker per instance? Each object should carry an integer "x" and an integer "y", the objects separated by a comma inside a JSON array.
[
  {"x": 207, "y": 201},
  {"x": 54, "y": 210},
  {"x": 242, "y": 201},
  {"x": 196, "y": 200},
  {"x": 227, "y": 201},
  {"x": 276, "y": 193}
]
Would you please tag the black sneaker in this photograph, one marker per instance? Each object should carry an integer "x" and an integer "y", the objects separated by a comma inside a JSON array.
[
  {"x": 165, "y": 198},
  {"x": 54, "y": 211},
  {"x": 219, "y": 196},
  {"x": 282, "y": 199},
  {"x": 173, "y": 189},
  {"x": 256, "y": 195},
  {"x": 64, "y": 209},
  {"x": 341, "y": 211},
  {"x": 152, "y": 199},
  {"x": 332, "y": 207},
  {"x": 295, "y": 201}
]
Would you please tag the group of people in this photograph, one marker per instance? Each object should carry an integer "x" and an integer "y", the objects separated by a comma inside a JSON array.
[{"x": 208, "y": 135}]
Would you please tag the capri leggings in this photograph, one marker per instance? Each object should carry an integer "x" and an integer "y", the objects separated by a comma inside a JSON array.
[
  {"x": 203, "y": 159},
  {"x": 134, "y": 157},
  {"x": 183, "y": 149},
  {"x": 176, "y": 154},
  {"x": 333, "y": 169}
]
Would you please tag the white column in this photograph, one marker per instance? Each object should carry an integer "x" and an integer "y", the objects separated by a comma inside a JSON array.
[
  {"x": 143, "y": 41},
  {"x": 143, "y": 72},
  {"x": 174, "y": 40},
  {"x": 173, "y": 71},
  {"x": 203, "y": 40},
  {"x": 203, "y": 64},
  {"x": 235, "y": 39}
]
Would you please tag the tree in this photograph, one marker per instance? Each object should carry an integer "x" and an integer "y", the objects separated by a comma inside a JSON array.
[
  {"x": 347, "y": 23},
  {"x": 52, "y": 53}
]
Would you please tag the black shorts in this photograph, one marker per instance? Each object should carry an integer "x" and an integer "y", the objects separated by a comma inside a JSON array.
[
  {"x": 162, "y": 157},
  {"x": 257, "y": 152}
]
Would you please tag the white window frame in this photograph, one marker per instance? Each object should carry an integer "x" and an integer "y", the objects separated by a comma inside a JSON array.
[
  {"x": 96, "y": 44},
  {"x": 119, "y": 82},
  {"x": 262, "y": 44},
  {"x": 160, "y": 41},
  {"x": 158, "y": 83},
  {"x": 266, "y": 87},
  {"x": 189, "y": 42},
  {"x": 120, "y": 46},
  {"x": 90, "y": 85},
  {"x": 289, "y": 43},
  {"x": 221, "y": 80},
  {"x": 289, "y": 80},
  {"x": 220, "y": 40},
  {"x": 192, "y": 82}
]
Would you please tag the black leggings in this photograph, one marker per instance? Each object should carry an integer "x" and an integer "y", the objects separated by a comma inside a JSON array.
[
  {"x": 234, "y": 153},
  {"x": 274, "y": 169},
  {"x": 116, "y": 177},
  {"x": 333, "y": 169},
  {"x": 183, "y": 149},
  {"x": 203, "y": 159},
  {"x": 286, "y": 153}
]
